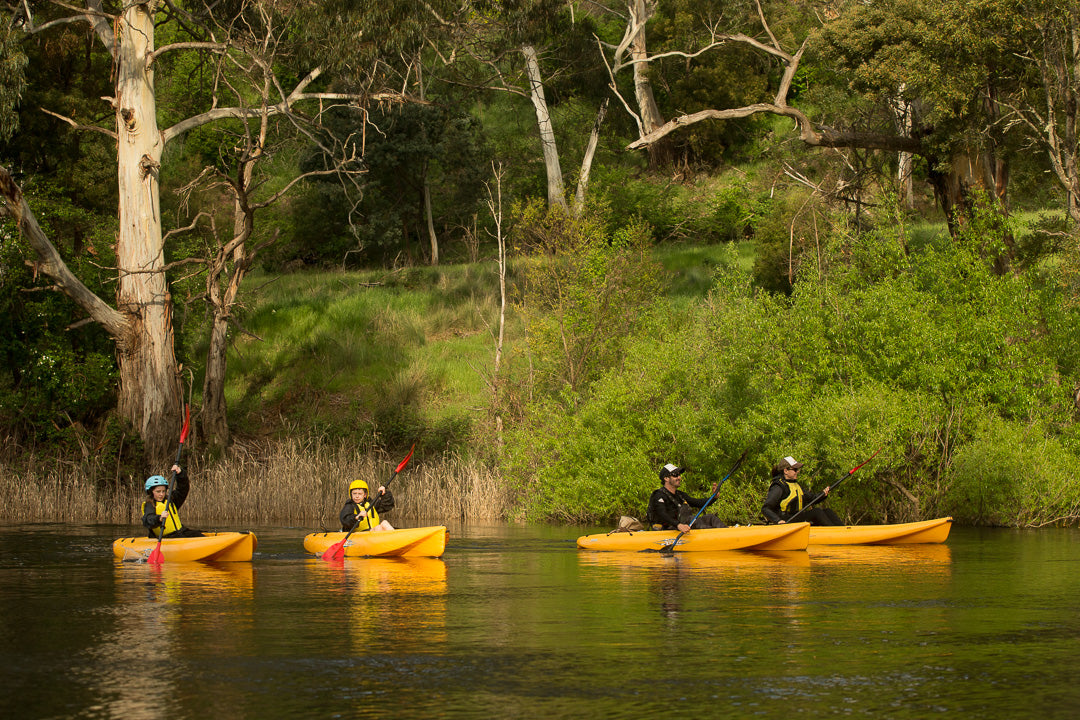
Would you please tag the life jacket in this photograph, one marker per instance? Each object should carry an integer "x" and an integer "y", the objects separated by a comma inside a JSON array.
[
  {"x": 795, "y": 494},
  {"x": 366, "y": 523},
  {"x": 657, "y": 523},
  {"x": 172, "y": 523}
]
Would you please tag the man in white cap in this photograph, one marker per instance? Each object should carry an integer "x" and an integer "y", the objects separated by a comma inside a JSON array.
[
  {"x": 787, "y": 498},
  {"x": 672, "y": 509}
]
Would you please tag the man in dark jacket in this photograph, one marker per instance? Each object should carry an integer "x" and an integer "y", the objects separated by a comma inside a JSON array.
[{"x": 672, "y": 509}]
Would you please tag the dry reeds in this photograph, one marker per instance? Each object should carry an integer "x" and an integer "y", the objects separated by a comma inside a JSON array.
[{"x": 295, "y": 483}]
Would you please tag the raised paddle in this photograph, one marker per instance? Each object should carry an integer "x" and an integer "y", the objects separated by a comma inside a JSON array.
[
  {"x": 670, "y": 549},
  {"x": 337, "y": 550},
  {"x": 156, "y": 556},
  {"x": 833, "y": 486}
]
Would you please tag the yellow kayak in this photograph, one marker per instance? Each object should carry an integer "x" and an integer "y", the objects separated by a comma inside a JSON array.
[
  {"x": 927, "y": 531},
  {"x": 407, "y": 542},
  {"x": 213, "y": 547},
  {"x": 793, "y": 536}
]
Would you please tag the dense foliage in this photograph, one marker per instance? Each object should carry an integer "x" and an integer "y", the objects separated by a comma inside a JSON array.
[{"x": 964, "y": 377}]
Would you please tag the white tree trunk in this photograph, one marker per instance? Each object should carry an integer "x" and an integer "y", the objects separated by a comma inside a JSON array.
[
  {"x": 150, "y": 395},
  {"x": 586, "y": 162},
  {"x": 651, "y": 118},
  {"x": 556, "y": 190},
  {"x": 432, "y": 237}
]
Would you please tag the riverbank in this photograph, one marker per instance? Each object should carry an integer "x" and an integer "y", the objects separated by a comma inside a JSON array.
[{"x": 293, "y": 482}]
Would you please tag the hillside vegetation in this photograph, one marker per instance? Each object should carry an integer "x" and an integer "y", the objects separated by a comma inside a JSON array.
[
  {"x": 894, "y": 338},
  {"x": 554, "y": 244}
]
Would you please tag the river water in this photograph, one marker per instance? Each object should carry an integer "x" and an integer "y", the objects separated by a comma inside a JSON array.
[{"x": 515, "y": 622}]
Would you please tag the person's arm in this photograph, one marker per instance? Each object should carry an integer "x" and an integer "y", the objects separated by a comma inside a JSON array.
[
  {"x": 812, "y": 498},
  {"x": 384, "y": 501},
  {"x": 700, "y": 502},
  {"x": 181, "y": 486},
  {"x": 771, "y": 508},
  {"x": 348, "y": 517},
  {"x": 150, "y": 519}
]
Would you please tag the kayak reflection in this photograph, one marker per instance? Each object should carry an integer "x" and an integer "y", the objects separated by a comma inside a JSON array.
[
  {"x": 176, "y": 581},
  {"x": 401, "y": 601}
]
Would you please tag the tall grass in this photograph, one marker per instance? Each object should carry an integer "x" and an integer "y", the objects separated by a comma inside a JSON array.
[{"x": 293, "y": 483}]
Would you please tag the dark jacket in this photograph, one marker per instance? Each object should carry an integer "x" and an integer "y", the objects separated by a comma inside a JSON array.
[
  {"x": 348, "y": 517},
  {"x": 150, "y": 519},
  {"x": 665, "y": 507},
  {"x": 784, "y": 492}
]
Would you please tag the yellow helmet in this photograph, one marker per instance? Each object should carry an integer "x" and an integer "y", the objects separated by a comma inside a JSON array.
[{"x": 357, "y": 484}]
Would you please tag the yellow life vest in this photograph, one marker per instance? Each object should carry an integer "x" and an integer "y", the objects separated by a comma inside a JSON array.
[
  {"x": 172, "y": 524},
  {"x": 795, "y": 495},
  {"x": 366, "y": 523}
]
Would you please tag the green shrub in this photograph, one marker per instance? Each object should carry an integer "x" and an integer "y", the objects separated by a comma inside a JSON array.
[{"x": 1013, "y": 475}]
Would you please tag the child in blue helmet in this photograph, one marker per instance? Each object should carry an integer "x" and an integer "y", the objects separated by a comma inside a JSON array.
[
  {"x": 156, "y": 512},
  {"x": 362, "y": 514}
]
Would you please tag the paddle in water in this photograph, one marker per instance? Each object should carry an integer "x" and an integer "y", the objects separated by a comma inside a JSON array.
[
  {"x": 670, "y": 549},
  {"x": 337, "y": 550},
  {"x": 156, "y": 556},
  {"x": 832, "y": 487}
]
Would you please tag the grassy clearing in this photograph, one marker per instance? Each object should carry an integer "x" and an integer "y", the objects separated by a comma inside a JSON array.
[{"x": 343, "y": 352}]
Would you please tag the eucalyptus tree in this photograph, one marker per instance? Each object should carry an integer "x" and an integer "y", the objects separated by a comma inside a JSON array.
[
  {"x": 904, "y": 76},
  {"x": 1047, "y": 41},
  {"x": 267, "y": 59},
  {"x": 524, "y": 48}
]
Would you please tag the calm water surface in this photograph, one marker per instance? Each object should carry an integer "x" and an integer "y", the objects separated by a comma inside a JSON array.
[{"x": 517, "y": 623}]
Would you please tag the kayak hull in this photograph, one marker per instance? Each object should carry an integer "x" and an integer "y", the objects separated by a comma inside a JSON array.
[
  {"x": 406, "y": 542},
  {"x": 213, "y": 547},
  {"x": 927, "y": 531},
  {"x": 793, "y": 536}
]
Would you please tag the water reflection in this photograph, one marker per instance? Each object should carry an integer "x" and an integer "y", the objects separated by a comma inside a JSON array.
[
  {"x": 922, "y": 556},
  {"x": 401, "y": 597},
  {"x": 518, "y": 623},
  {"x": 175, "y": 582},
  {"x": 730, "y": 561},
  {"x": 162, "y": 615}
]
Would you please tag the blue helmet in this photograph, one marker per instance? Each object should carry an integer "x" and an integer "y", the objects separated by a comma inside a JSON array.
[{"x": 153, "y": 481}]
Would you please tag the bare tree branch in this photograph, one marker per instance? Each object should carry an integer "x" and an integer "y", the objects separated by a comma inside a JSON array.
[
  {"x": 79, "y": 126},
  {"x": 50, "y": 262}
]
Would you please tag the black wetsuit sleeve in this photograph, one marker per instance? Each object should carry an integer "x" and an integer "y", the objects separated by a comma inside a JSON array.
[
  {"x": 771, "y": 508},
  {"x": 384, "y": 503},
  {"x": 348, "y": 516},
  {"x": 150, "y": 519},
  {"x": 181, "y": 486}
]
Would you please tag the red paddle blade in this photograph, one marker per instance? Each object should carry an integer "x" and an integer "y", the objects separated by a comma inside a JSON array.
[
  {"x": 187, "y": 423},
  {"x": 156, "y": 556},
  {"x": 335, "y": 552},
  {"x": 852, "y": 471},
  {"x": 402, "y": 463}
]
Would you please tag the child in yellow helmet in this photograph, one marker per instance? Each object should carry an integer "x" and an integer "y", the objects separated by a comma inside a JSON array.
[{"x": 362, "y": 514}]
